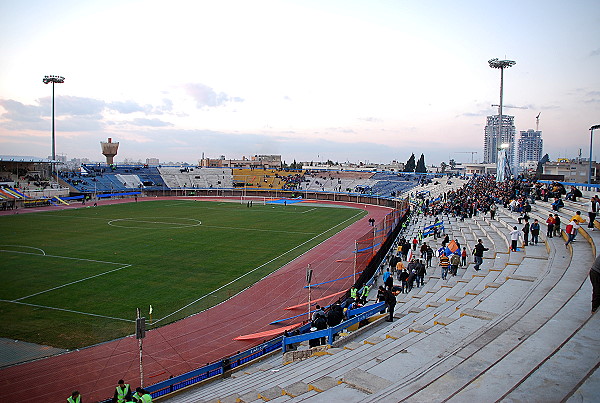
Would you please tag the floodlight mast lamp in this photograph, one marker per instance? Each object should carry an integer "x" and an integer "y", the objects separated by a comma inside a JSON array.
[
  {"x": 595, "y": 127},
  {"x": 53, "y": 80},
  {"x": 501, "y": 64}
]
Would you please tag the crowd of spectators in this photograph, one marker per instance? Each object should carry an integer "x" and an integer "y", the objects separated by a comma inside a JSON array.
[
  {"x": 482, "y": 194},
  {"x": 291, "y": 182}
]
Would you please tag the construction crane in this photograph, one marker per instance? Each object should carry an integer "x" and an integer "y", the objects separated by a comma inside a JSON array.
[
  {"x": 467, "y": 152},
  {"x": 537, "y": 122}
]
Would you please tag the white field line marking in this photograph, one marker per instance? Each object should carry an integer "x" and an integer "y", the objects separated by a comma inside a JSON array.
[
  {"x": 66, "y": 310},
  {"x": 72, "y": 282},
  {"x": 123, "y": 266},
  {"x": 27, "y": 247},
  {"x": 62, "y": 257},
  {"x": 258, "y": 229},
  {"x": 308, "y": 211},
  {"x": 256, "y": 268},
  {"x": 194, "y": 222}
]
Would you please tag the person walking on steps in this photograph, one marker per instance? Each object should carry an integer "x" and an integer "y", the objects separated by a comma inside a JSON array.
[
  {"x": 592, "y": 209},
  {"x": 478, "y": 254},
  {"x": 535, "y": 232},
  {"x": 463, "y": 257},
  {"x": 525, "y": 230},
  {"x": 579, "y": 220},
  {"x": 515, "y": 234},
  {"x": 550, "y": 224},
  {"x": 556, "y": 225},
  {"x": 571, "y": 230},
  {"x": 444, "y": 263}
]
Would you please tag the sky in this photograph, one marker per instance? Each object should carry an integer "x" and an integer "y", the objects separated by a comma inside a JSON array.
[{"x": 312, "y": 80}]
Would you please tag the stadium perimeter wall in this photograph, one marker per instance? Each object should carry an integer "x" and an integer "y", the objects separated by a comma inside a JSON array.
[{"x": 398, "y": 204}]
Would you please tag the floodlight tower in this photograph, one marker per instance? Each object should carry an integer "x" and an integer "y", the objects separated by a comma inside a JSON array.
[
  {"x": 595, "y": 127},
  {"x": 501, "y": 64},
  {"x": 53, "y": 80}
]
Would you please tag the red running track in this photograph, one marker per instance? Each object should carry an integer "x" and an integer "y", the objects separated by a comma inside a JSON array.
[{"x": 195, "y": 341}]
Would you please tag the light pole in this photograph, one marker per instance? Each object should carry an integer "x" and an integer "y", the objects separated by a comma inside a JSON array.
[
  {"x": 53, "y": 80},
  {"x": 501, "y": 64},
  {"x": 595, "y": 127}
]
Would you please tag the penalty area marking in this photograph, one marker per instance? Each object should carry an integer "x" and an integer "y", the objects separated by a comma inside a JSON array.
[
  {"x": 118, "y": 222},
  {"x": 72, "y": 282},
  {"x": 123, "y": 266},
  {"x": 66, "y": 310},
  {"x": 23, "y": 246}
]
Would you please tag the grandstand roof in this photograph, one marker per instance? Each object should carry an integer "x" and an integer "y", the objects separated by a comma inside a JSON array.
[{"x": 20, "y": 158}]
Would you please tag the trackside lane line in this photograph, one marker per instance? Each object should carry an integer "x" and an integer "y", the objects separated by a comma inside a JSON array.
[{"x": 253, "y": 270}]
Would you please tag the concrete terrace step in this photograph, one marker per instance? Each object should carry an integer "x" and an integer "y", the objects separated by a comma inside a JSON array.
[
  {"x": 455, "y": 339},
  {"x": 534, "y": 316},
  {"x": 563, "y": 368}
]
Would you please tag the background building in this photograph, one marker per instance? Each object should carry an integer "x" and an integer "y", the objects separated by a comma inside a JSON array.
[
  {"x": 569, "y": 170},
  {"x": 493, "y": 139},
  {"x": 257, "y": 161},
  {"x": 530, "y": 148}
]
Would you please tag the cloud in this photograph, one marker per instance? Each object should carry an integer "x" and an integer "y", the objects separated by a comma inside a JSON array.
[
  {"x": 479, "y": 113},
  {"x": 150, "y": 122},
  {"x": 371, "y": 119},
  {"x": 80, "y": 124},
  {"x": 128, "y": 107},
  {"x": 595, "y": 52},
  {"x": 19, "y": 112},
  {"x": 167, "y": 106},
  {"x": 71, "y": 105},
  {"x": 206, "y": 96}
]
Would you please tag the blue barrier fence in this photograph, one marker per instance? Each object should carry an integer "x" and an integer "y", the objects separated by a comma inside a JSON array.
[
  {"x": 357, "y": 316},
  {"x": 101, "y": 195},
  {"x": 215, "y": 369},
  {"x": 220, "y": 367}
]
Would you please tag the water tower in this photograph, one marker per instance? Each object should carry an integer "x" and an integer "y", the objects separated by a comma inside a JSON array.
[{"x": 109, "y": 149}]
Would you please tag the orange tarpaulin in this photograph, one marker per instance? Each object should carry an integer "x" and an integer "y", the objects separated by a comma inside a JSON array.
[
  {"x": 315, "y": 300},
  {"x": 266, "y": 333}
]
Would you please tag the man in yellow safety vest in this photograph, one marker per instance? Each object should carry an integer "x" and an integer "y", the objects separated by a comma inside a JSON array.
[
  {"x": 74, "y": 398},
  {"x": 122, "y": 392},
  {"x": 142, "y": 396}
]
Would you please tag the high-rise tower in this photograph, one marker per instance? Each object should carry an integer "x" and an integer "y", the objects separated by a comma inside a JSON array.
[
  {"x": 493, "y": 139},
  {"x": 530, "y": 146}
]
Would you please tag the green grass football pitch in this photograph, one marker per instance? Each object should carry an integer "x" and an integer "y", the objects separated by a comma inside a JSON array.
[{"x": 73, "y": 278}]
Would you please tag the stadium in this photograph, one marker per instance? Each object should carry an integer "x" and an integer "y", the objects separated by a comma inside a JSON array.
[
  {"x": 217, "y": 261},
  {"x": 197, "y": 263}
]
